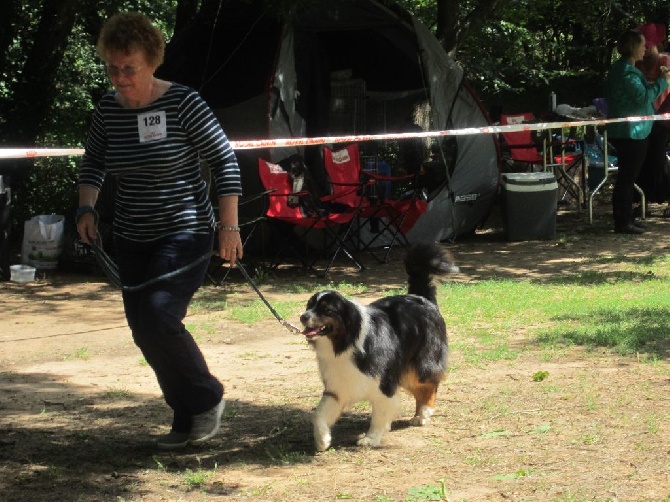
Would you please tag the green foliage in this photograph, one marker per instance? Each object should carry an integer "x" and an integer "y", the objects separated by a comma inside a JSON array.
[
  {"x": 68, "y": 121},
  {"x": 540, "y": 376},
  {"x": 196, "y": 479},
  {"x": 47, "y": 188},
  {"x": 427, "y": 492},
  {"x": 520, "y": 50},
  {"x": 511, "y": 476},
  {"x": 575, "y": 311},
  {"x": 80, "y": 353},
  {"x": 571, "y": 313},
  {"x": 49, "y": 184},
  {"x": 525, "y": 49},
  {"x": 425, "y": 10}
]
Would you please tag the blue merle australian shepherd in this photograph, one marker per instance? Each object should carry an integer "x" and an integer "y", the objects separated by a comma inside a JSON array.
[{"x": 369, "y": 352}]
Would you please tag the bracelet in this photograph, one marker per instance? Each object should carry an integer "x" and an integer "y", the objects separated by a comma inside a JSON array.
[
  {"x": 82, "y": 210},
  {"x": 228, "y": 228}
]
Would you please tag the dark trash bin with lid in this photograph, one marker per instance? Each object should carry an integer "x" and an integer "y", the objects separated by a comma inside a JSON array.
[{"x": 529, "y": 206}]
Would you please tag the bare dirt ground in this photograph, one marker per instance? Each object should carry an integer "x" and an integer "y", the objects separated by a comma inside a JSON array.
[{"x": 78, "y": 407}]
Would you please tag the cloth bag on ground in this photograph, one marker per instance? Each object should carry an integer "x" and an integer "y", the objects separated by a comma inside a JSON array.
[{"x": 43, "y": 241}]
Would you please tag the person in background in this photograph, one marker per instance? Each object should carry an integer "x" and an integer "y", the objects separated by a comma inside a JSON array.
[
  {"x": 152, "y": 134},
  {"x": 629, "y": 94},
  {"x": 654, "y": 58},
  {"x": 654, "y": 178}
]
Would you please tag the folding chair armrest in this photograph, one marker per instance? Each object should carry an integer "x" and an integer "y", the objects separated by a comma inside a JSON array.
[
  {"x": 566, "y": 142},
  {"x": 359, "y": 184},
  {"x": 248, "y": 200},
  {"x": 507, "y": 146},
  {"x": 382, "y": 177},
  {"x": 329, "y": 198},
  {"x": 288, "y": 194},
  {"x": 354, "y": 188}
]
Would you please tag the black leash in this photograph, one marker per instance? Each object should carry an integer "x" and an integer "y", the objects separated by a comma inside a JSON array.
[
  {"x": 283, "y": 322},
  {"x": 107, "y": 265},
  {"x": 111, "y": 269}
]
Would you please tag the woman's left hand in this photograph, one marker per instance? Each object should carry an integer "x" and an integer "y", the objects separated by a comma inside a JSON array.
[{"x": 230, "y": 245}]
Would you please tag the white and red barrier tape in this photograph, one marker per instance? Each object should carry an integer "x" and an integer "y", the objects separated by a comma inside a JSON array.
[
  {"x": 23, "y": 153},
  {"x": 20, "y": 153}
]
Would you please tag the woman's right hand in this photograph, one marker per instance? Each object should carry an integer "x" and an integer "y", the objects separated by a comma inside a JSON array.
[{"x": 87, "y": 228}]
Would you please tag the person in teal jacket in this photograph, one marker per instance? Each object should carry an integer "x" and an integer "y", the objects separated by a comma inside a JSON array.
[{"x": 628, "y": 95}]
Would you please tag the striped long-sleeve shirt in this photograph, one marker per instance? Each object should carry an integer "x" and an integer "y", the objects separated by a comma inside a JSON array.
[{"x": 155, "y": 152}]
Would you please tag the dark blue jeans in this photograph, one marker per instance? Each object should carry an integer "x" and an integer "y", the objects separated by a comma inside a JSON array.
[{"x": 155, "y": 316}]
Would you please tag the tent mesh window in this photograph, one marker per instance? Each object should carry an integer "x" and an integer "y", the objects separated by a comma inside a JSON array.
[{"x": 347, "y": 106}]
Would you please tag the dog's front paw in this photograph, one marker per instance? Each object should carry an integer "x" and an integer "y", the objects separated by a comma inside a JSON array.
[
  {"x": 418, "y": 421},
  {"x": 423, "y": 417},
  {"x": 371, "y": 441},
  {"x": 322, "y": 441}
]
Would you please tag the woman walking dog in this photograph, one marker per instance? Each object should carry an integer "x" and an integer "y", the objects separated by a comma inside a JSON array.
[{"x": 151, "y": 135}]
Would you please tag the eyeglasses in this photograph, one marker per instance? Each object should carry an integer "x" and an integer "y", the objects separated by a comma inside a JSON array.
[{"x": 126, "y": 71}]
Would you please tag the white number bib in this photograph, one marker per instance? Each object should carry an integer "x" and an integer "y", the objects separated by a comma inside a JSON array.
[{"x": 152, "y": 126}]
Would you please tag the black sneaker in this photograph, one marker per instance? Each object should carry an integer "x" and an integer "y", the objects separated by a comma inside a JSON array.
[
  {"x": 628, "y": 229},
  {"x": 173, "y": 440},
  {"x": 207, "y": 424}
]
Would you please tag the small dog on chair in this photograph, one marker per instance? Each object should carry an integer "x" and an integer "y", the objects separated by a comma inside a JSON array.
[
  {"x": 369, "y": 352},
  {"x": 303, "y": 185}
]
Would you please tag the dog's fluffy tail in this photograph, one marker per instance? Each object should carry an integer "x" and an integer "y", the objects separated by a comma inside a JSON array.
[{"x": 425, "y": 262}]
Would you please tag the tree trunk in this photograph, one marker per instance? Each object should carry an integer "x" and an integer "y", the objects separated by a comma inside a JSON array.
[
  {"x": 447, "y": 28},
  {"x": 34, "y": 91},
  {"x": 452, "y": 28}
]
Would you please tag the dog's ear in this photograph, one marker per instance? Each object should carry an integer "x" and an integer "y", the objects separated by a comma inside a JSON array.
[
  {"x": 351, "y": 318},
  {"x": 311, "y": 302}
]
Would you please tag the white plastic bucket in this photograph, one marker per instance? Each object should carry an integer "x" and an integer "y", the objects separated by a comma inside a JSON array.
[{"x": 22, "y": 273}]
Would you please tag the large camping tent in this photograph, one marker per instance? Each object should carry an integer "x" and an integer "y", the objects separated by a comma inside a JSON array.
[{"x": 341, "y": 67}]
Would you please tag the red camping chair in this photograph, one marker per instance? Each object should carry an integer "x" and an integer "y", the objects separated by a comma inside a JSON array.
[
  {"x": 369, "y": 202},
  {"x": 398, "y": 216},
  {"x": 519, "y": 145},
  {"x": 343, "y": 168},
  {"x": 274, "y": 177},
  {"x": 523, "y": 152}
]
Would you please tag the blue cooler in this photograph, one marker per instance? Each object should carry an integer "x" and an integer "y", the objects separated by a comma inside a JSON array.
[{"x": 529, "y": 206}]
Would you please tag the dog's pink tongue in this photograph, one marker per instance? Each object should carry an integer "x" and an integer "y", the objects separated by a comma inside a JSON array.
[{"x": 310, "y": 333}]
